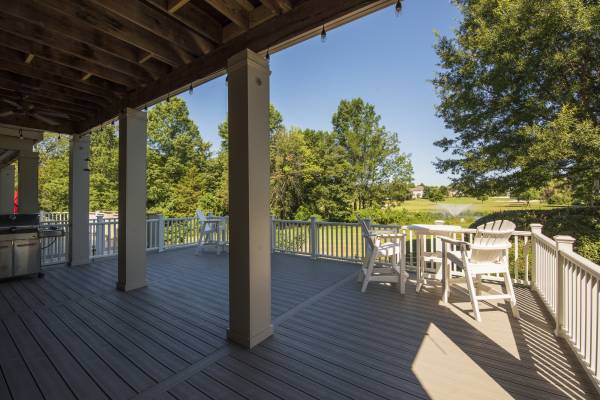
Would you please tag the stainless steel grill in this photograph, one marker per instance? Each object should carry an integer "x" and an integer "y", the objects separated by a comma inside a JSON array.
[{"x": 20, "y": 249}]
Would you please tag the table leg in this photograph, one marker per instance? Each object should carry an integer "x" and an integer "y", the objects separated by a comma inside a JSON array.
[
  {"x": 419, "y": 263},
  {"x": 445, "y": 276}
]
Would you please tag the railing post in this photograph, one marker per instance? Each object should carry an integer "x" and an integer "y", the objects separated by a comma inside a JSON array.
[
  {"x": 314, "y": 238},
  {"x": 563, "y": 243},
  {"x": 99, "y": 234},
  {"x": 273, "y": 233},
  {"x": 535, "y": 229},
  {"x": 161, "y": 233}
]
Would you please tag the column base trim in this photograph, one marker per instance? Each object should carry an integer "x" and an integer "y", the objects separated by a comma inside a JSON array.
[
  {"x": 126, "y": 287},
  {"x": 250, "y": 342}
]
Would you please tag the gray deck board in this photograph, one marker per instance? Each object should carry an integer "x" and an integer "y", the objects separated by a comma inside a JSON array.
[{"x": 71, "y": 335}]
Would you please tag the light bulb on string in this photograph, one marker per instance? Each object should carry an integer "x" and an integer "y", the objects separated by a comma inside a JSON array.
[
  {"x": 323, "y": 34},
  {"x": 398, "y": 7},
  {"x": 21, "y": 134},
  {"x": 191, "y": 91},
  {"x": 268, "y": 56}
]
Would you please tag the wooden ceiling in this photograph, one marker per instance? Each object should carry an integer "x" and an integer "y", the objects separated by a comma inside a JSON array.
[{"x": 70, "y": 65}]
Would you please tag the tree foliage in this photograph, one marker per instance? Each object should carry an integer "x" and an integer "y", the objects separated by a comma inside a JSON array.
[
  {"x": 518, "y": 84},
  {"x": 328, "y": 174}
]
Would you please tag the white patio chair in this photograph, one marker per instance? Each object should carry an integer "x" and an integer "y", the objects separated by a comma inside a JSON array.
[
  {"x": 488, "y": 254},
  {"x": 211, "y": 232},
  {"x": 389, "y": 246}
]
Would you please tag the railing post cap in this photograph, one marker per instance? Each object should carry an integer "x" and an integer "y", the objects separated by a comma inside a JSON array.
[
  {"x": 536, "y": 227},
  {"x": 439, "y": 222},
  {"x": 564, "y": 239}
]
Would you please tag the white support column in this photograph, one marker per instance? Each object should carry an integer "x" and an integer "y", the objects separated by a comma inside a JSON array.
[
  {"x": 132, "y": 200},
  {"x": 7, "y": 189},
  {"x": 79, "y": 201},
  {"x": 28, "y": 182},
  {"x": 249, "y": 256}
]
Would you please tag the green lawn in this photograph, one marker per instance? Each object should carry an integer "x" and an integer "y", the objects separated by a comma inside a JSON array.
[{"x": 477, "y": 207}]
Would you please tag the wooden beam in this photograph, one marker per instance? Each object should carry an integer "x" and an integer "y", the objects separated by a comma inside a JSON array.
[
  {"x": 156, "y": 22},
  {"x": 67, "y": 60},
  {"x": 246, "y": 5},
  {"x": 258, "y": 16},
  {"x": 303, "y": 22},
  {"x": 35, "y": 12},
  {"x": 58, "y": 41},
  {"x": 65, "y": 73},
  {"x": 27, "y": 85},
  {"x": 93, "y": 16},
  {"x": 31, "y": 123},
  {"x": 278, "y": 6},
  {"x": 41, "y": 74},
  {"x": 48, "y": 102},
  {"x": 195, "y": 18},
  {"x": 174, "y": 5},
  {"x": 232, "y": 10}
]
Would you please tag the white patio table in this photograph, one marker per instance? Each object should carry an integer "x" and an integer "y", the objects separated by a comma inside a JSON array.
[
  {"x": 219, "y": 224},
  {"x": 421, "y": 232}
]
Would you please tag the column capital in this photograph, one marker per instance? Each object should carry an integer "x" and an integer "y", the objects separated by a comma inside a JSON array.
[
  {"x": 247, "y": 58},
  {"x": 133, "y": 113}
]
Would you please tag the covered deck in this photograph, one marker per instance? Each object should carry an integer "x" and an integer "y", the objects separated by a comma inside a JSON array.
[{"x": 74, "y": 335}]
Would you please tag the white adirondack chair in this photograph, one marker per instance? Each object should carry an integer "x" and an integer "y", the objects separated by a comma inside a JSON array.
[
  {"x": 210, "y": 232},
  {"x": 487, "y": 255},
  {"x": 389, "y": 246}
]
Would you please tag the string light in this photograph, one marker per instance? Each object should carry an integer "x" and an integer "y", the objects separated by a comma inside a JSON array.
[
  {"x": 21, "y": 134},
  {"x": 268, "y": 56},
  {"x": 323, "y": 34},
  {"x": 146, "y": 107},
  {"x": 191, "y": 89},
  {"x": 398, "y": 7}
]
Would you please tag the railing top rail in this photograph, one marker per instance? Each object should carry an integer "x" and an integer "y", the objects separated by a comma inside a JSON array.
[
  {"x": 544, "y": 239},
  {"x": 582, "y": 262}
]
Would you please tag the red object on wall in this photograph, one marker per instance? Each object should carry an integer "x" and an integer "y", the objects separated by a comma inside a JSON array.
[{"x": 16, "y": 203}]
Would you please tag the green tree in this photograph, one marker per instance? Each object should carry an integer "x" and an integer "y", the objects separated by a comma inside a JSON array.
[
  {"x": 520, "y": 75},
  {"x": 435, "y": 195},
  {"x": 104, "y": 169},
  {"x": 175, "y": 147},
  {"x": 54, "y": 172},
  {"x": 372, "y": 151}
]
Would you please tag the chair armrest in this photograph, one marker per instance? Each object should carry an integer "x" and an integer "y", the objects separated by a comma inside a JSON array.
[{"x": 446, "y": 240}]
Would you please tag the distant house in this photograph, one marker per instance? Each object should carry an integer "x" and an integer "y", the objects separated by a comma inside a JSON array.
[{"x": 417, "y": 192}]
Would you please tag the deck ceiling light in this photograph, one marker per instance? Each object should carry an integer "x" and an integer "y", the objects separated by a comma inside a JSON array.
[
  {"x": 398, "y": 7},
  {"x": 323, "y": 34}
]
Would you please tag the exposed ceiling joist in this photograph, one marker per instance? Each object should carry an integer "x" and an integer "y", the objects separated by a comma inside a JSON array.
[
  {"x": 20, "y": 121},
  {"x": 196, "y": 19},
  {"x": 55, "y": 40},
  {"x": 36, "y": 12},
  {"x": 97, "y": 18},
  {"x": 174, "y": 5},
  {"x": 66, "y": 60},
  {"x": 156, "y": 22},
  {"x": 278, "y": 6},
  {"x": 27, "y": 85},
  {"x": 232, "y": 10}
]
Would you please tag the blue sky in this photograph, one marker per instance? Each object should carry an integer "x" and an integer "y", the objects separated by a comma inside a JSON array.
[{"x": 387, "y": 61}]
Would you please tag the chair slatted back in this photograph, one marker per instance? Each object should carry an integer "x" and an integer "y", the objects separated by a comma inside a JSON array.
[
  {"x": 491, "y": 241},
  {"x": 366, "y": 234}
]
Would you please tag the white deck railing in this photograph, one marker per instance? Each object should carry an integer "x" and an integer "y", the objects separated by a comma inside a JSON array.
[{"x": 569, "y": 286}]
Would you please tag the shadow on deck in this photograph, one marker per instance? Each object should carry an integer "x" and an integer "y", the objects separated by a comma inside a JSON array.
[{"x": 72, "y": 335}]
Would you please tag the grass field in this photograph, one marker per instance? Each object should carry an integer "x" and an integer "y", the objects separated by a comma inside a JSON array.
[{"x": 476, "y": 206}]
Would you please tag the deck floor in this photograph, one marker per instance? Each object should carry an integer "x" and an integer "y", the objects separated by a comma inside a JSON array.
[{"x": 72, "y": 335}]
